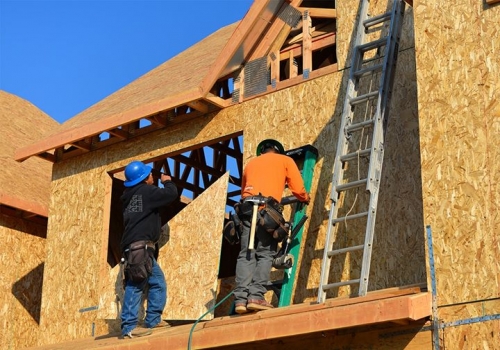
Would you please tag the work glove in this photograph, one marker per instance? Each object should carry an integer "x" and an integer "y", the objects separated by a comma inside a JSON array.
[{"x": 307, "y": 200}]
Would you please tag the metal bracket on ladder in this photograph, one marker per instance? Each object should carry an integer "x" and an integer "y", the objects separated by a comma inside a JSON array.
[{"x": 366, "y": 108}]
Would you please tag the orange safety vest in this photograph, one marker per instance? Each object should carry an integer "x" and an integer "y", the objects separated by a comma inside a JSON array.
[{"x": 268, "y": 173}]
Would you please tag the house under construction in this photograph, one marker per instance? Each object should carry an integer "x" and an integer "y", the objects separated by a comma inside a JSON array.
[{"x": 391, "y": 109}]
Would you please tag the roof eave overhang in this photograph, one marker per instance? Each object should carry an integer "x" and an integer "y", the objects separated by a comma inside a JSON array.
[
  {"x": 28, "y": 207},
  {"x": 67, "y": 137}
]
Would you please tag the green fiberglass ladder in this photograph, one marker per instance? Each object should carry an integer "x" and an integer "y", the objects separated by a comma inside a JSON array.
[
  {"x": 305, "y": 157},
  {"x": 360, "y": 149}
]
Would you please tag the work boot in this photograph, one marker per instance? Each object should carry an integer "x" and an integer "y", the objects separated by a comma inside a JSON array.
[
  {"x": 138, "y": 332},
  {"x": 258, "y": 305},
  {"x": 240, "y": 308},
  {"x": 162, "y": 324}
]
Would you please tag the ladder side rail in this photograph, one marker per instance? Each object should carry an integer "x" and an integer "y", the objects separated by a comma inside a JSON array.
[
  {"x": 385, "y": 92},
  {"x": 381, "y": 115},
  {"x": 285, "y": 297},
  {"x": 342, "y": 145},
  {"x": 392, "y": 54}
]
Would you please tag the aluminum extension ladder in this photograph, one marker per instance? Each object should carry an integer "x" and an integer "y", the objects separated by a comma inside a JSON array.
[{"x": 361, "y": 146}]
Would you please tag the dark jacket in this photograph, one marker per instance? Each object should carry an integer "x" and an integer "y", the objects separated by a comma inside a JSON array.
[{"x": 141, "y": 215}]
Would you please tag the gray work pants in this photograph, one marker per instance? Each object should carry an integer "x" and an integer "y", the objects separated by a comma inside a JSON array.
[{"x": 253, "y": 267}]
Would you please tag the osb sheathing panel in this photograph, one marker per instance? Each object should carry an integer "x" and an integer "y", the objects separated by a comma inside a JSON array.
[
  {"x": 188, "y": 248},
  {"x": 22, "y": 254},
  {"x": 467, "y": 311},
  {"x": 191, "y": 255},
  {"x": 470, "y": 334},
  {"x": 23, "y": 123},
  {"x": 346, "y": 15},
  {"x": 458, "y": 87},
  {"x": 481, "y": 335}
]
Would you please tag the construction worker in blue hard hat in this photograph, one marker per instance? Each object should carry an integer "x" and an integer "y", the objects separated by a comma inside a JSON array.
[
  {"x": 264, "y": 176},
  {"x": 142, "y": 223}
]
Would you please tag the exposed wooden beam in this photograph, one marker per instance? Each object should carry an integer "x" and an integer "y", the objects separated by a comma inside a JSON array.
[
  {"x": 251, "y": 19},
  {"x": 44, "y": 155},
  {"x": 317, "y": 31},
  {"x": 319, "y": 13},
  {"x": 199, "y": 105},
  {"x": 191, "y": 163},
  {"x": 236, "y": 154},
  {"x": 158, "y": 119},
  {"x": 306, "y": 44},
  {"x": 120, "y": 133},
  {"x": 317, "y": 43},
  {"x": 23, "y": 205},
  {"x": 82, "y": 145},
  {"x": 272, "y": 40},
  {"x": 217, "y": 101},
  {"x": 293, "y": 70},
  {"x": 301, "y": 320},
  {"x": 275, "y": 67}
]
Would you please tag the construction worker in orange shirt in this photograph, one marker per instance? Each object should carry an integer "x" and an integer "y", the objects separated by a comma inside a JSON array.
[{"x": 264, "y": 180}]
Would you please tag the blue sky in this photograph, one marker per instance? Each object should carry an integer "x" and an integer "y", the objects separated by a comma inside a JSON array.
[{"x": 65, "y": 55}]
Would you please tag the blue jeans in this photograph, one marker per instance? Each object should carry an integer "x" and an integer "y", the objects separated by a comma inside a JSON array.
[{"x": 157, "y": 299}]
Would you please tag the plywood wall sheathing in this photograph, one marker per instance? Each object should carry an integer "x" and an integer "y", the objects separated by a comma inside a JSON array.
[
  {"x": 479, "y": 335},
  {"x": 22, "y": 255},
  {"x": 192, "y": 252},
  {"x": 24, "y": 196},
  {"x": 458, "y": 89},
  {"x": 27, "y": 183}
]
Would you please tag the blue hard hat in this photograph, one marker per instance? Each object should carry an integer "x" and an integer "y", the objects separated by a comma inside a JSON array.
[{"x": 136, "y": 172}]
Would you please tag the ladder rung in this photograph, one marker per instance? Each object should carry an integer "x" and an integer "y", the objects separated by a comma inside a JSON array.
[
  {"x": 359, "y": 126},
  {"x": 355, "y": 155},
  {"x": 350, "y": 217},
  {"x": 340, "y": 284},
  {"x": 363, "y": 98},
  {"x": 372, "y": 45},
  {"x": 345, "y": 250},
  {"x": 368, "y": 70},
  {"x": 350, "y": 185},
  {"x": 377, "y": 19}
]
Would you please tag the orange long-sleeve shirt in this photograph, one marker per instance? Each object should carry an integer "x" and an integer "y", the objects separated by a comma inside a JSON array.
[{"x": 268, "y": 173}]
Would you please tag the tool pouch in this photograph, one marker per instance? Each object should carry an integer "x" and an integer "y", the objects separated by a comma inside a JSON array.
[
  {"x": 232, "y": 229},
  {"x": 271, "y": 219},
  {"x": 244, "y": 210},
  {"x": 139, "y": 261}
]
